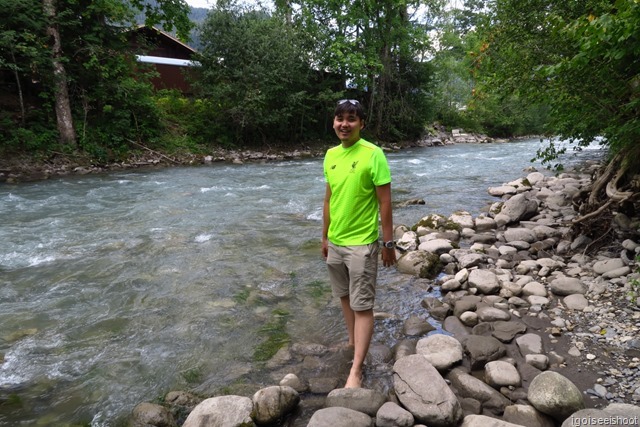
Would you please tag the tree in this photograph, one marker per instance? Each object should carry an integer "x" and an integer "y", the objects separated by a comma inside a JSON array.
[
  {"x": 256, "y": 71},
  {"x": 581, "y": 59},
  {"x": 378, "y": 48},
  {"x": 21, "y": 41},
  {"x": 75, "y": 55},
  {"x": 61, "y": 92}
]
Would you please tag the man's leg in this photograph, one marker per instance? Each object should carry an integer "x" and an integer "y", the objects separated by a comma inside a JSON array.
[
  {"x": 349, "y": 317},
  {"x": 362, "y": 333}
]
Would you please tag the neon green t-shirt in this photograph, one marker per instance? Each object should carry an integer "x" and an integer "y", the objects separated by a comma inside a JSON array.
[{"x": 353, "y": 174}]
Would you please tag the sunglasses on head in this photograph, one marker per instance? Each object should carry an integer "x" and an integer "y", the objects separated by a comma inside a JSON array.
[{"x": 350, "y": 101}]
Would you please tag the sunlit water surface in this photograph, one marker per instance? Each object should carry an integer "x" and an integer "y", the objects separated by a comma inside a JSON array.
[{"x": 117, "y": 288}]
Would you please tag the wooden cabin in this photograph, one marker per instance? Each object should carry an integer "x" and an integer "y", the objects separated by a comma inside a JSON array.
[{"x": 171, "y": 58}]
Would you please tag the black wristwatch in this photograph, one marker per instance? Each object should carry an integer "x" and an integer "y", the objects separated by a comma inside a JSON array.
[{"x": 389, "y": 245}]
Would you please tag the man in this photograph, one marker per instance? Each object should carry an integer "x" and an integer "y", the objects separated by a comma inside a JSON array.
[{"x": 358, "y": 190}]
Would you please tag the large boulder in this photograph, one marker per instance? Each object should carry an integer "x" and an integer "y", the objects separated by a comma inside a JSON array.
[
  {"x": 228, "y": 411},
  {"x": 553, "y": 394},
  {"x": 424, "y": 393}
]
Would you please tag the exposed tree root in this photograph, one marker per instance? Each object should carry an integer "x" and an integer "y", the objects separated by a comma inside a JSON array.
[{"x": 615, "y": 191}]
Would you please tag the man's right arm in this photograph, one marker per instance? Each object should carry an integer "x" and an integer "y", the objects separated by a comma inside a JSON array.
[{"x": 326, "y": 220}]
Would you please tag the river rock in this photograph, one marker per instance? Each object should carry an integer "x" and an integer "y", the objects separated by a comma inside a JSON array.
[
  {"x": 501, "y": 374},
  {"x": 485, "y": 421},
  {"x": 339, "y": 417},
  {"x": 563, "y": 286},
  {"x": 468, "y": 259},
  {"x": 603, "y": 266},
  {"x": 526, "y": 415},
  {"x": 417, "y": 326},
  {"x": 553, "y": 394},
  {"x": 502, "y": 190},
  {"x": 534, "y": 288},
  {"x": 519, "y": 208},
  {"x": 618, "y": 272},
  {"x": 454, "y": 326},
  {"x": 419, "y": 263},
  {"x": 482, "y": 350},
  {"x": 436, "y": 246},
  {"x": 519, "y": 235},
  {"x": 538, "y": 361},
  {"x": 506, "y": 331},
  {"x": 232, "y": 411},
  {"x": 424, "y": 393},
  {"x": 466, "y": 303},
  {"x": 359, "y": 399},
  {"x": 485, "y": 223},
  {"x": 463, "y": 219},
  {"x": 393, "y": 415},
  {"x": 492, "y": 314},
  {"x": 271, "y": 404},
  {"x": 442, "y": 351},
  {"x": 408, "y": 241},
  {"x": 151, "y": 414},
  {"x": 404, "y": 348},
  {"x": 484, "y": 280},
  {"x": 529, "y": 344},
  {"x": 292, "y": 380},
  {"x": 576, "y": 302},
  {"x": 469, "y": 386}
]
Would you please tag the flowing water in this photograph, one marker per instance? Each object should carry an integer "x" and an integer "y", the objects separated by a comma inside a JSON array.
[{"x": 117, "y": 288}]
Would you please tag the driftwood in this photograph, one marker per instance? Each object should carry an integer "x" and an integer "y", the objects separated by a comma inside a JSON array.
[{"x": 153, "y": 151}]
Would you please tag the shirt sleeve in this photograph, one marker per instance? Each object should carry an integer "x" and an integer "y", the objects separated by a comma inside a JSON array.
[{"x": 380, "y": 172}]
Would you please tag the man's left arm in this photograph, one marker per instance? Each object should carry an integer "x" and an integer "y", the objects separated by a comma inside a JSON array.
[{"x": 383, "y": 193}]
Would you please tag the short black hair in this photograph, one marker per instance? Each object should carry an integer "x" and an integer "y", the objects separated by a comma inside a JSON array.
[{"x": 350, "y": 106}]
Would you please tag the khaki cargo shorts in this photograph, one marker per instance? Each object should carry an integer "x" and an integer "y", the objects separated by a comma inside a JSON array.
[{"x": 353, "y": 271}]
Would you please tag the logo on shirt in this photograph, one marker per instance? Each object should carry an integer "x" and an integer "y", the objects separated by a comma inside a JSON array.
[
  {"x": 353, "y": 166},
  {"x": 333, "y": 167}
]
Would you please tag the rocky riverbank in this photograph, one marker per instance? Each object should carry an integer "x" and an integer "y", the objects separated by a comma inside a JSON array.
[
  {"x": 15, "y": 169},
  {"x": 539, "y": 331}
]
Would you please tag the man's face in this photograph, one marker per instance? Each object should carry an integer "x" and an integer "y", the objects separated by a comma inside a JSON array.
[{"x": 347, "y": 127}]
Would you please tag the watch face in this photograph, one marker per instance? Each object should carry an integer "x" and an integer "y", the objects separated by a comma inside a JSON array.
[{"x": 388, "y": 244}]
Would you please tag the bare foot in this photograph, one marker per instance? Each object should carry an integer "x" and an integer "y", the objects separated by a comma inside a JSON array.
[{"x": 354, "y": 380}]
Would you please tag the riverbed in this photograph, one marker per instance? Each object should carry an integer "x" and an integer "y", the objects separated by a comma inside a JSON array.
[{"x": 116, "y": 288}]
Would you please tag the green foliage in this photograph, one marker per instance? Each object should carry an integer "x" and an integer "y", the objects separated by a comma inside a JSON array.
[
  {"x": 110, "y": 107},
  {"x": 579, "y": 59},
  {"x": 256, "y": 78},
  {"x": 377, "y": 48}
]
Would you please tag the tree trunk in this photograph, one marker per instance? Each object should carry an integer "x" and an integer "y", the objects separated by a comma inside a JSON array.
[
  {"x": 19, "y": 85},
  {"x": 62, "y": 102}
]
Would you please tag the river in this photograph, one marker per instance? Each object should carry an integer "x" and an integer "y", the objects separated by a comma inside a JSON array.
[{"x": 117, "y": 288}]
